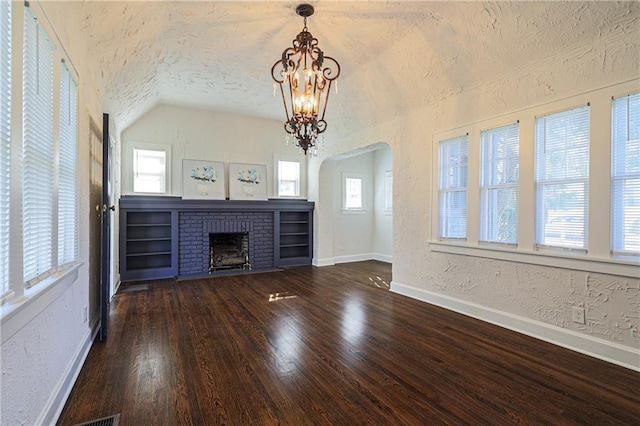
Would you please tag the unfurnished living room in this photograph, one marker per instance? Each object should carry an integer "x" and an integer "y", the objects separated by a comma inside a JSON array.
[{"x": 334, "y": 212}]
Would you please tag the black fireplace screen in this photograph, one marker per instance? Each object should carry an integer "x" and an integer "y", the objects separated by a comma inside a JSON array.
[{"x": 228, "y": 251}]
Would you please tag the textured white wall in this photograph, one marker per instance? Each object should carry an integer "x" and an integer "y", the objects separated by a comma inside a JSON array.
[
  {"x": 536, "y": 293},
  {"x": 200, "y": 134},
  {"x": 383, "y": 220},
  {"x": 39, "y": 360},
  {"x": 353, "y": 233}
]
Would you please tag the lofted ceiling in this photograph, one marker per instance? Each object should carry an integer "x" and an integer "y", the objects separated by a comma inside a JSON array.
[{"x": 394, "y": 55}]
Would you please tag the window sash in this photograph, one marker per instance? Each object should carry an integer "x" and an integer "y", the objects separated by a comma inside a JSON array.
[
  {"x": 149, "y": 171},
  {"x": 562, "y": 179},
  {"x": 67, "y": 172},
  {"x": 5, "y": 140},
  {"x": 353, "y": 193},
  {"x": 37, "y": 157},
  {"x": 453, "y": 179},
  {"x": 499, "y": 176},
  {"x": 288, "y": 178},
  {"x": 625, "y": 171}
]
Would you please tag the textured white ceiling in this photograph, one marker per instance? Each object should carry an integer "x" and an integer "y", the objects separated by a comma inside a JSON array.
[{"x": 394, "y": 55}]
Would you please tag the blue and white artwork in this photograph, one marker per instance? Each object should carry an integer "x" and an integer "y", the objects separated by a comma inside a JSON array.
[
  {"x": 203, "y": 180},
  {"x": 247, "y": 181}
]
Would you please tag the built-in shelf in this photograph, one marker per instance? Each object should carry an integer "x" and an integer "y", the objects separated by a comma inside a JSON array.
[{"x": 150, "y": 236}]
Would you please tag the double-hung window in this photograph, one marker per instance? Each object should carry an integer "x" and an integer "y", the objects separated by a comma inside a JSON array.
[
  {"x": 149, "y": 170},
  {"x": 625, "y": 168},
  {"x": 288, "y": 178},
  {"x": 67, "y": 170},
  {"x": 37, "y": 151},
  {"x": 5, "y": 140},
  {"x": 499, "y": 169},
  {"x": 453, "y": 180},
  {"x": 352, "y": 193},
  {"x": 562, "y": 179}
]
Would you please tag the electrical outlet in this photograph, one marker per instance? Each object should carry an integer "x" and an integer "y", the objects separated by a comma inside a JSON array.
[
  {"x": 86, "y": 316},
  {"x": 578, "y": 315}
]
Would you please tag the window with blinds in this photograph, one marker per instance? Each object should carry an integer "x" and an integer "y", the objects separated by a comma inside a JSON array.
[
  {"x": 625, "y": 171},
  {"x": 37, "y": 151},
  {"x": 5, "y": 140},
  {"x": 67, "y": 170},
  {"x": 453, "y": 166},
  {"x": 499, "y": 171},
  {"x": 562, "y": 179}
]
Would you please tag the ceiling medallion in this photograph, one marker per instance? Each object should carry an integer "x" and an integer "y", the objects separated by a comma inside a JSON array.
[{"x": 304, "y": 75}]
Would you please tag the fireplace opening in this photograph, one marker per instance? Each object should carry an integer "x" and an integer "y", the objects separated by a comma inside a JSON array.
[{"x": 228, "y": 251}]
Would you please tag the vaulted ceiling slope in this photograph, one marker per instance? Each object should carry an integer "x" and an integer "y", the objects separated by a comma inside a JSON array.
[{"x": 394, "y": 55}]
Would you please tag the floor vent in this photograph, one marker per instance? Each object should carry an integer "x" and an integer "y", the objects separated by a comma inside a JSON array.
[{"x": 105, "y": 421}]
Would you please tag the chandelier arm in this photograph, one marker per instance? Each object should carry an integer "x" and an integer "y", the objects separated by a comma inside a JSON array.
[
  {"x": 284, "y": 102},
  {"x": 327, "y": 71}
]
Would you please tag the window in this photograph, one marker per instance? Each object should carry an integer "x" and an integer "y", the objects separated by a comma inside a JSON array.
[
  {"x": 5, "y": 140},
  {"x": 288, "y": 178},
  {"x": 561, "y": 179},
  {"x": 453, "y": 166},
  {"x": 352, "y": 193},
  {"x": 37, "y": 151},
  {"x": 67, "y": 159},
  {"x": 625, "y": 169},
  {"x": 388, "y": 191},
  {"x": 149, "y": 170},
  {"x": 499, "y": 169}
]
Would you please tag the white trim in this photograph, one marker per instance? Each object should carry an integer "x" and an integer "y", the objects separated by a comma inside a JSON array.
[
  {"x": 323, "y": 262},
  {"x": 19, "y": 312},
  {"x": 383, "y": 257},
  {"x": 598, "y": 348},
  {"x": 566, "y": 260},
  {"x": 354, "y": 258},
  {"x": 58, "y": 398}
]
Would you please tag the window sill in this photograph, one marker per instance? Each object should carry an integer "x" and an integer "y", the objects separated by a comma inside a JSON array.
[
  {"x": 17, "y": 313},
  {"x": 577, "y": 262},
  {"x": 354, "y": 211}
]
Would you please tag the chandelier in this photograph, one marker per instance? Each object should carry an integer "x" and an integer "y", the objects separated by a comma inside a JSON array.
[{"x": 304, "y": 75}]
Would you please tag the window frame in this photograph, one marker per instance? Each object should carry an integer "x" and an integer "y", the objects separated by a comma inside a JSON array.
[
  {"x": 617, "y": 197},
  {"x": 486, "y": 159},
  {"x": 363, "y": 197},
  {"x": 132, "y": 146},
  {"x": 598, "y": 258},
  {"x": 302, "y": 181},
  {"x": 461, "y": 189},
  {"x": 24, "y": 300}
]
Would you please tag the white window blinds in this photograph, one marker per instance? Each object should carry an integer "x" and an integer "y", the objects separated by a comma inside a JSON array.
[
  {"x": 453, "y": 167},
  {"x": 499, "y": 169},
  {"x": 5, "y": 139},
  {"x": 37, "y": 159},
  {"x": 562, "y": 174},
  {"x": 67, "y": 194},
  {"x": 625, "y": 169}
]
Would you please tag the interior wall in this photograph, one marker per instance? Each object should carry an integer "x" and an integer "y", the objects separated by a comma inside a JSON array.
[
  {"x": 382, "y": 219},
  {"x": 200, "y": 134},
  {"x": 511, "y": 293},
  {"x": 353, "y": 231},
  {"x": 41, "y": 358}
]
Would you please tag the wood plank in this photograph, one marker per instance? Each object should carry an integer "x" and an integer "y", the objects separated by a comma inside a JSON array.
[{"x": 331, "y": 346}]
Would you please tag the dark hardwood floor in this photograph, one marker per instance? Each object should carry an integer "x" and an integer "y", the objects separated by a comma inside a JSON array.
[{"x": 330, "y": 346}]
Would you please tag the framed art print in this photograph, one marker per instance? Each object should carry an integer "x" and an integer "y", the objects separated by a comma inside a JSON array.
[
  {"x": 203, "y": 180},
  {"x": 247, "y": 181}
]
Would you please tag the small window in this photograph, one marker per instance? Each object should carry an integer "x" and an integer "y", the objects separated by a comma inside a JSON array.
[
  {"x": 454, "y": 170},
  {"x": 352, "y": 193},
  {"x": 149, "y": 171},
  {"x": 562, "y": 179},
  {"x": 625, "y": 168},
  {"x": 288, "y": 178}
]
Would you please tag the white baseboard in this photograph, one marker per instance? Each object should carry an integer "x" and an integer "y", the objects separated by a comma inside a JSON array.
[
  {"x": 383, "y": 257},
  {"x": 323, "y": 262},
  {"x": 598, "y": 348},
  {"x": 52, "y": 410},
  {"x": 353, "y": 258}
]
